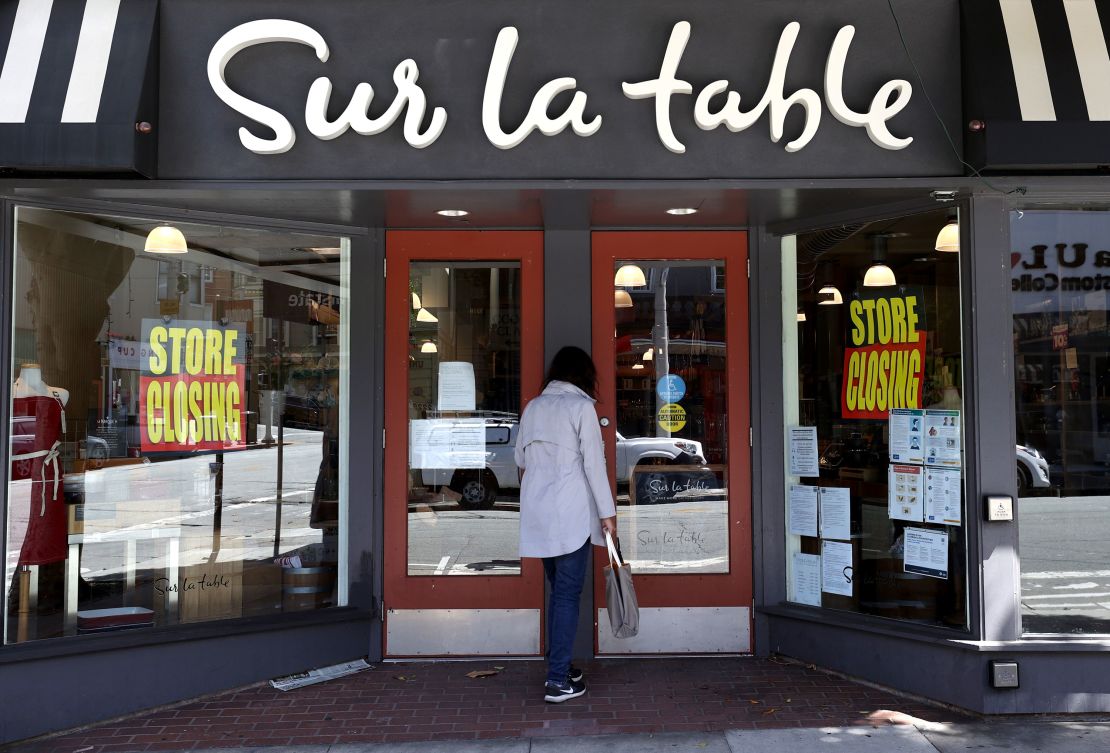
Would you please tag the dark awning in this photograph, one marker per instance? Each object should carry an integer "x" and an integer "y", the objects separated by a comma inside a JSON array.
[
  {"x": 1037, "y": 74},
  {"x": 77, "y": 78}
]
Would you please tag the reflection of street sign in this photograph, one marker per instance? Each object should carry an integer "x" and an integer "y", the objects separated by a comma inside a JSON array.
[
  {"x": 1059, "y": 336},
  {"x": 671, "y": 388},
  {"x": 672, "y": 417}
]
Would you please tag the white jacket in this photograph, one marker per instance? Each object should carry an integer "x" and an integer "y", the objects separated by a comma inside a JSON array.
[{"x": 565, "y": 490}]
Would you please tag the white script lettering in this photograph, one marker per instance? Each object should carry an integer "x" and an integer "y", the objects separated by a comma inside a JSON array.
[
  {"x": 774, "y": 100},
  {"x": 409, "y": 99},
  {"x": 537, "y": 117}
]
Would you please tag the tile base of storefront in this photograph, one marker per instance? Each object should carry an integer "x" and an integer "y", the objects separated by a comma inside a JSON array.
[
  {"x": 70, "y": 690},
  {"x": 1053, "y": 678}
]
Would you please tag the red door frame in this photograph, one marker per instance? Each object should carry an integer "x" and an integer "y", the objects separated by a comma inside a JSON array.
[
  {"x": 403, "y": 591},
  {"x": 709, "y": 590}
]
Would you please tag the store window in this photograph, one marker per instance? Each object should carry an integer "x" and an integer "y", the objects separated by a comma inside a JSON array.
[
  {"x": 1060, "y": 283},
  {"x": 178, "y": 424},
  {"x": 874, "y": 411}
]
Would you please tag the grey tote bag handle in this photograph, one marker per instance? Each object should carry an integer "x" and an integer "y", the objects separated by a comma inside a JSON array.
[{"x": 620, "y": 596}]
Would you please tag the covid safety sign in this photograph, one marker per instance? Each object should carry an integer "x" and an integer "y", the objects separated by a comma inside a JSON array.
[
  {"x": 884, "y": 358},
  {"x": 192, "y": 386}
]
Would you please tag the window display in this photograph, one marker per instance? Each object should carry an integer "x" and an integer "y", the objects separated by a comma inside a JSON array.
[
  {"x": 1060, "y": 283},
  {"x": 176, "y": 418},
  {"x": 874, "y": 450}
]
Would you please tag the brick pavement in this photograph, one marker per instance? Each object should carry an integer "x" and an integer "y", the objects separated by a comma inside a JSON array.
[{"x": 425, "y": 701}]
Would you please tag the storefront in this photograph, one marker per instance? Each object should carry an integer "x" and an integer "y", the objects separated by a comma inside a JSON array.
[{"x": 281, "y": 282}]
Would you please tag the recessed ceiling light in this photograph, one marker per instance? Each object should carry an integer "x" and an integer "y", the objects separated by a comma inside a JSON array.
[
  {"x": 452, "y": 212},
  {"x": 681, "y": 211}
]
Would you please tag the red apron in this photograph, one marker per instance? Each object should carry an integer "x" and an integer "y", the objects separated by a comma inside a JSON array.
[{"x": 37, "y": 428}]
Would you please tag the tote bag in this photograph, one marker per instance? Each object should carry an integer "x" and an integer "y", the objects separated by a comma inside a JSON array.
[{"x": 620, "y": 596}]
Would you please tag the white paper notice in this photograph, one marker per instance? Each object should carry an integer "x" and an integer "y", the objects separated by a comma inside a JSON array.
[
  {"x": 803, "y": 451},
  {"x": 456, "y": 386},
  {"x": 942, "y": 496},
  {"x": 907, "y": 432},
  {"x": 807, "y": 579},
  {"x": 907, "y": 494},
  {"x": 801, "y": 511},
  {"x": 836, "y": 568},
  {"x": 926, "y": 552},
  {"x": 447, "y": 443},
  {"x": 836, "y": 513},
  {"x": 942, "y": 438}
]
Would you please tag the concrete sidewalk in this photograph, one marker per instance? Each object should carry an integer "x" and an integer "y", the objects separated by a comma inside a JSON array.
[{"x": 1019, "y": 736}]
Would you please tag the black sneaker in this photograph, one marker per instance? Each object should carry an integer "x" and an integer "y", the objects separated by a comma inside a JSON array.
[
  {"x": 574, "y": 674},
  {"x": 556, "y": 693}
]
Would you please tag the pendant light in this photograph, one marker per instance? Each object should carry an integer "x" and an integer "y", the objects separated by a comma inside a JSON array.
[
  {"x": 829, "y": 294},
  {"x": 621, "y": 299},
  {"x": 630, "y": 276},
  {"x": 948, "y": 239},
  {"x": 879, "y": 275},
  {"x": 429, "y": 347},
  {"x": 423, "y": 315},
  {"x": 649, "y": 354},
  {"x": 416, "y": 302},
  {"x": 801, "y": 315},
  {"x": 166, "y": 239}
]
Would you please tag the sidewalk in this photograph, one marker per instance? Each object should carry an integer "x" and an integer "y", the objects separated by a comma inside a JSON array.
[{"x": 636, "y": 705}]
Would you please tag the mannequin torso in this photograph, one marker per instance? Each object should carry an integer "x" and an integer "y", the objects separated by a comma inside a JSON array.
[{"x": 30, "y": 384}]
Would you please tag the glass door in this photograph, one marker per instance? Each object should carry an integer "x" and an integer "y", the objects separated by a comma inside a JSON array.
[
  {"x": 670, "y": 341},
  {"x": 464, "y": 346}
]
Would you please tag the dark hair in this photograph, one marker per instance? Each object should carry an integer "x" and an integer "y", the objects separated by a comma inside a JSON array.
[{"x": 575, "y": 366}]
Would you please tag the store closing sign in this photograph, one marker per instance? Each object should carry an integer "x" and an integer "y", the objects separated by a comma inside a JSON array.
[
  {"x": 192, "y": 386},
  {"x": 884, "y": 363}
]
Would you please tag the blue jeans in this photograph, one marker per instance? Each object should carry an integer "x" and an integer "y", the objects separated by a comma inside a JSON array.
[{"x": 566, "y": 574}]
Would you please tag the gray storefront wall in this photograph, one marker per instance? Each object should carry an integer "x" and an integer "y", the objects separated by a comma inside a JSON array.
[{"x": 569, "y": 185}]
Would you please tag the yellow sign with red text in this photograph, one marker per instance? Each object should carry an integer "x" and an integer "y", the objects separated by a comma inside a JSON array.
[
  {"x": 884, "y": 363},
  {"x": 192, "y": 384}
]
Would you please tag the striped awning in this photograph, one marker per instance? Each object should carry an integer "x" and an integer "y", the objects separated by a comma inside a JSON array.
[
  {"x": 1037, "y": 75},
  {"x": 78, "y": 77}
]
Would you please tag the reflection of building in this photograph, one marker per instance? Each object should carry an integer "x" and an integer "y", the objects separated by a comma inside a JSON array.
[{"x": 499, "y": 254}]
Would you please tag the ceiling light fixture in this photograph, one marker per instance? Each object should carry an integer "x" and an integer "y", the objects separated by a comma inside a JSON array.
[
  {"x": 630, "y": 276},
  {"x": 621, "y": 299},
  {"x": 829, "y": 296},
  {"x": 948, "y": 239},
  {"x": 682, "y": 211},
  {"x": 423, "y": 315},
  {"x": 416, "y": 302},
  {"x": 638, "y": 366},
  {"x": 452, "y": 212},
  {"x": 801, "y": 315},
  {"x": 166, "y": 239},
  {"x": 429, "y": 347},
  {"x": 649, "y": 354},
  {"x": 879, "y": 275}
]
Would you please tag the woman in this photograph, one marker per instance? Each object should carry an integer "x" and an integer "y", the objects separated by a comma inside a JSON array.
[{"x": 565, "y": 501}]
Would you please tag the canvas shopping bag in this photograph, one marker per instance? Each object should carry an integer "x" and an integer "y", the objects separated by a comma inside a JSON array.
[{"x": 620, "y": 597}]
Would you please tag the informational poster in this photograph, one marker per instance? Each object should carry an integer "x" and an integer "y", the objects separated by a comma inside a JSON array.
[
  {"x": 926, "y": 552},
  {"x": 672, "y": 417},
  {"x": 192, "y": 394},
  {"x": 943, "y": 496},
  {"x": 447, "y": 443},
  {"x": 942, "y": 438},
  {"x": 884, "y": 363},
  {"x": 836, "y": 567},
  {"x": 801, "y": 510},
  {"x": 803, "y": 451},
  {"x": 807, "y": 579},
  {"x": 456, "y": 386},
  {"x": 907, "y": 430},
  {"x": 907, "y": 493},
  {"x": 836, "y": 513},
  {"x": 671, "y": 388}
]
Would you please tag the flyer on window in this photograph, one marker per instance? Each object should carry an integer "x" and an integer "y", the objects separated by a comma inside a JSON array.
[
  {"x": 836, "y": 567},
  {"x": 836, "y": 513},
  {"x": 926, "y": 552},
  {"x": 802, "y": 510},
  {"x": 942, "y": 438},
  {"x": 943, "y": 496},
  {"x": 807, "y": 579},
  {"x": 803, "y": 451},
  {"x": 906, "y": 428},
  {"x": 906, "y": 490}
]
